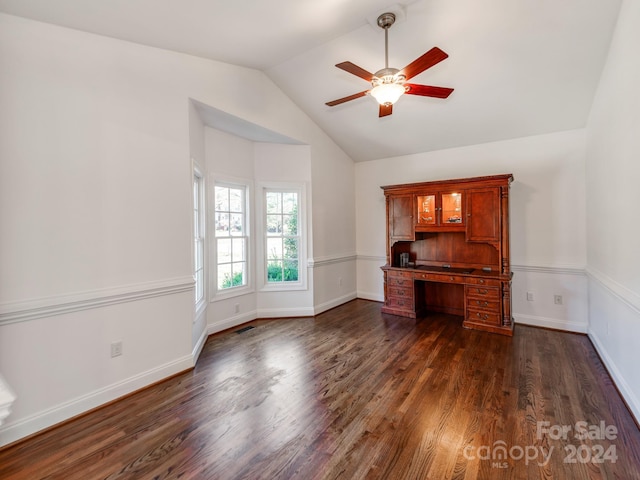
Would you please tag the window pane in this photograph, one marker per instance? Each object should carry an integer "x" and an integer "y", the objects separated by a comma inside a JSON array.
[
  {"x": 274, "y": 248},
  {"x": 224, "y": 276},
  {"x": 224, "y": 250},
  {"x": 290, "y": 224},
  {"x": 222, "y": 224},
  {"x": 199, "y": 250},
  {"x": 274, "y": 202},
  {"x": 222, "y": 198},
  {"x": 274, "y": 271},
  {"x": 289, "y": 202},
  {"x": 235, "y": 200},
  {"x": 291, "y": 248},
  {"x": 274, "y": 224},
  {"x": 290, "y": 268},
  {"x": 236, "y": 224},
  {"x": 237, "y": 247},
  {"x": 238, "y": 274}
]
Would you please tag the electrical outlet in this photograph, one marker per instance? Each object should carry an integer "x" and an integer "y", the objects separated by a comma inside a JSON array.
[
  {"x": 116, "y": 349},
  {"x": 530, "y": 296},
  {"x": 339, "y": 281},
  {"x": 237, "y": 308},
  {"x": 557, "y": 299}
]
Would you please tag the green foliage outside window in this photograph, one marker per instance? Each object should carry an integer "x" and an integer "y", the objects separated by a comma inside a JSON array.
[{"x": 285, "y": 269}]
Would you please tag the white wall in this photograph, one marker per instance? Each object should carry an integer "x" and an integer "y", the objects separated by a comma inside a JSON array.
[
  {"x": 96, "y": 141},
  {"x": 547, "y": 201},
  {"x": 613, "y": 230}
]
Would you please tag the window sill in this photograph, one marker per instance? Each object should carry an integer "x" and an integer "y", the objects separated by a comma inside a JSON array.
[{"x": 231, "y": 293}]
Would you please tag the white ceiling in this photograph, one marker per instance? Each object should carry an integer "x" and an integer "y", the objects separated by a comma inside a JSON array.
[{"x": 518, "y": 67}]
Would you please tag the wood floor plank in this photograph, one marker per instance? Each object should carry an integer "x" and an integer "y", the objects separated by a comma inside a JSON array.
[{"x": 355, "y": 394}]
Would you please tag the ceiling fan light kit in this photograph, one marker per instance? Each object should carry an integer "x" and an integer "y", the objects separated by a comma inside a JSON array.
[{"x": 388, "y": 84}]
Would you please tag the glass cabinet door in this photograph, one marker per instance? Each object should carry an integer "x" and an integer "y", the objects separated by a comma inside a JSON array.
[
  {"x": 426, "y": 209},
  {"x": 451, "y": 208}
]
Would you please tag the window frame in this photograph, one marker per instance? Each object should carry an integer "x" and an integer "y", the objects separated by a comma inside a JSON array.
[
  {"x": 199, "y": 237},
  {"x": 216, "y": 292},
  {"x": 301, "y": 283}
]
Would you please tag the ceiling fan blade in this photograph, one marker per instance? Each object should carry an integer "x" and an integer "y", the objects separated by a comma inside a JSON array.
[
  {"x": 428, "y": 60},
  {"x": 385, "y": 110},
  {"x": 427, "y": 91},
  {"x": 355, "y": 70},
  {"x": 346, "y": 99}
]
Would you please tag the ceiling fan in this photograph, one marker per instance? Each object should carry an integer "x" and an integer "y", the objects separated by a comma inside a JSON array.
[{"x": 388, "y": 84}]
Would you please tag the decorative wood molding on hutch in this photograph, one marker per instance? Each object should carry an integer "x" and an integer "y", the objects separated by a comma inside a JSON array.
[{"x": 448, "y": 251}]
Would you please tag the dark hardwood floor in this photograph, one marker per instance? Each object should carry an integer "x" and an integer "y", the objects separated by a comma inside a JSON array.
[{"x": 355, "y": 394}]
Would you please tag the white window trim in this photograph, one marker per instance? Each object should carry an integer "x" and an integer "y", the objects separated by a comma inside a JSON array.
[
  {"x": 216, "y": 295},
  {"x": 261, "y": 279},
  {"x": 202, "y": 211}
]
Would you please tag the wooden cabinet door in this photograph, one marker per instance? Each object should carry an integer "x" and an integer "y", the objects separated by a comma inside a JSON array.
[
  {"x": 401, "y": 217},
  {"x": 483, "y": 218}
]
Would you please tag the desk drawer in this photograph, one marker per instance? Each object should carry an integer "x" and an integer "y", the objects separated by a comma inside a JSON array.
[
  {"x": 438, "y": 277},
  {"x": 485, "y": 317},
  {"x": 483, "y": 304},
  {"x": 406, "y": 292},
  {"x": 487, "y": 282},
  {"x": 486, "y": 293},
  {"x": 400, "y": 302},
  {"x": 398, "y": 274},
  {"x": 399, "y": 281}
]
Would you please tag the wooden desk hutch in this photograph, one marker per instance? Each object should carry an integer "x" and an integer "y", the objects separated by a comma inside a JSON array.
[{"x": 448, "y": 251}]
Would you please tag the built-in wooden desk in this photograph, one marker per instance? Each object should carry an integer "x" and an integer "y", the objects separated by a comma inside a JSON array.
[
  {"x": 455, "y": 236},
  {"x": 482, "y": 297}
]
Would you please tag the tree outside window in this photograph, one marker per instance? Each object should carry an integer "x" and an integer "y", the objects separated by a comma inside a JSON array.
[
  {"x": 231, "y": 237},
  {"x": 282, "y": 236}
]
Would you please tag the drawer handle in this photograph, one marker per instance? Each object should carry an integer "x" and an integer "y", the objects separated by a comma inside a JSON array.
[
  {"x": 484, "y": 304},
  {"x": 484, "y": 291},
  {"x": 481, "y": 281},
  {"x": 483, "y": 317},
  {"x": 451, "y": 278}
]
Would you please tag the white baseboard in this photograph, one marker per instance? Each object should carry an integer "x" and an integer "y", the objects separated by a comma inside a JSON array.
[
  {"x": 12, "y": 432},
  {"x": 376, "y": 297},
  {"x": 323, "y": 307},
  {"x": 285, "y": 312},
  {"x": 197, "y": 349},
  {"x": 231, "y": 322},
  {"x": 555, "y": 323},
  {"x": 627, "y": 393}
]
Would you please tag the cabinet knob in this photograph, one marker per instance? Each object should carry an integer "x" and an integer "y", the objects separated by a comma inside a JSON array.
[{"x": 468, "y": 214}]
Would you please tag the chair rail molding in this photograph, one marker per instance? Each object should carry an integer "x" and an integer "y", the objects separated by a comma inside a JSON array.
[
  {"x": 622, "y": 293},
  {"x": 24, "y": 311},
  {"x": 330, "y": 259}
]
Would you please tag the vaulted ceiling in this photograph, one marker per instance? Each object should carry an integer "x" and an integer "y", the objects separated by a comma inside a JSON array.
[{"x": 518, "y": 67}]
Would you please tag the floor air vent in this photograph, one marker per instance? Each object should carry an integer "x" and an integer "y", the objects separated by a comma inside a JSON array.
[{"x": 242, "y": 330}]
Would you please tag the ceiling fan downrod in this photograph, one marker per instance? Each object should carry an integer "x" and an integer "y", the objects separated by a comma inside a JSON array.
[{"x": 385, "y": 21}]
